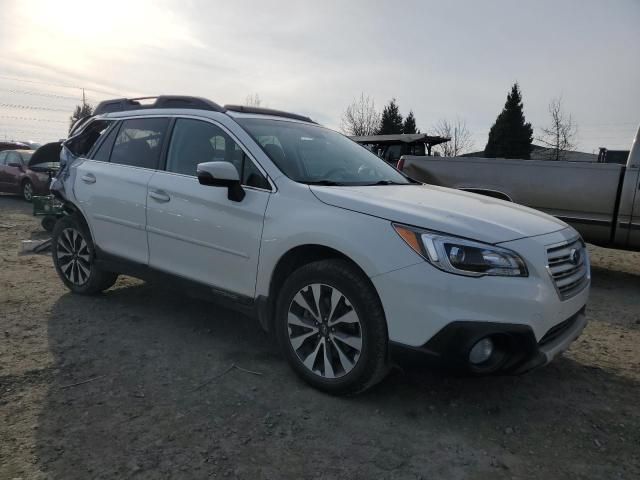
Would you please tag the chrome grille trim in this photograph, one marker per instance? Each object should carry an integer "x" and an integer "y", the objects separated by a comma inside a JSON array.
[{"x": 568, "y": 277}]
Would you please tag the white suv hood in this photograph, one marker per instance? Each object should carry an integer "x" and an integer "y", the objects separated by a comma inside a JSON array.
[{"x": 444, "y": 210}]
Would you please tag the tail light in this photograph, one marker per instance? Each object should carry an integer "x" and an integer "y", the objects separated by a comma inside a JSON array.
[{"x": 400, "y": 165}]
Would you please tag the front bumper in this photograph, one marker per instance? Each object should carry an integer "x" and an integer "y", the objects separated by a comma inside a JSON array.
[
  {"x": 428, "y": 309},
  {"x": 517, "y": 350}
]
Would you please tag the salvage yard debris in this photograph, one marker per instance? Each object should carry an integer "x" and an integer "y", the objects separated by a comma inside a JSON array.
[
  {"x": 30, "y": 247},
  {"x": 220, "y": 375}
]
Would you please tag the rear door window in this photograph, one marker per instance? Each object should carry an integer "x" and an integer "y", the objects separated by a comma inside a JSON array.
[
  {"x": 139, "y": 142},
  {"x": 3, "y": 158}
]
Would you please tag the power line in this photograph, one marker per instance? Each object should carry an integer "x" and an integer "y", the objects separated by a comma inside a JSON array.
[
  {"x": 30, "y": 107},
  {"x": 24, "y": 80},
  {"x": 39, "y": 128},
  {"x": 17, "y": 79},
  {"x": 48, "y": 95},
  {"x": 32, "y": 119}
]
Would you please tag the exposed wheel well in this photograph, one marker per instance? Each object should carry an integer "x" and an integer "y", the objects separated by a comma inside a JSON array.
[
  {"x": 71, "y": 209},
  {"x": 489, "y": 193},
  {"x": 291, "y": 261}
]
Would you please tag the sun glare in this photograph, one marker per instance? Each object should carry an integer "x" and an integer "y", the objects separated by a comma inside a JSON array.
[{"x": 78, "y": 32}]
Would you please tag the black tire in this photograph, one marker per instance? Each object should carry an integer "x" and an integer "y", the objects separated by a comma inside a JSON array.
[
  {"x": 27, "y": 190},
  {"x": 372, "y": 364},
  {"x": 48, "y": 223},
  {"x": 67, "y": 247}
]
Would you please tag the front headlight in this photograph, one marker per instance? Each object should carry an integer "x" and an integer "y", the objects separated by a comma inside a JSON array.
[
  {"x": 461, "y": 256},
  {"x": 43, "y": 177}
]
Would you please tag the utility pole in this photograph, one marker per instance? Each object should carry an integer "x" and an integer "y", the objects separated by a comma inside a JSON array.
[{"x": 83, "y": 99}]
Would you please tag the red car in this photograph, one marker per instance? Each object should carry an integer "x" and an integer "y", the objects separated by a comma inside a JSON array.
[{"x": 16, "y": 176}]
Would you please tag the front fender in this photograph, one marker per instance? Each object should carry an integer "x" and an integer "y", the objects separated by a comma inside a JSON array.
[{"x": 295, "y": 217}]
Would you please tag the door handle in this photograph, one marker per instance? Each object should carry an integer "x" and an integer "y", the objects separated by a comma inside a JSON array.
[
  {"x": 159, "y": 196},
  {"x": 88, "y": 178}
]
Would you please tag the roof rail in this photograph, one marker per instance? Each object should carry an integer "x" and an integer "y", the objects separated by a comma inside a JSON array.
[
  {"x": 267, "y": 111},
  {"x": 163, "y": 101}
]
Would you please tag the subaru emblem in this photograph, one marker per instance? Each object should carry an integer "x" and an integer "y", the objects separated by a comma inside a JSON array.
[{"x": 574, "y": 256}]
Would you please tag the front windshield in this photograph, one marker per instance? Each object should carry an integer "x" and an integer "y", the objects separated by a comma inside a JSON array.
[{"x": 312, "y": 154}]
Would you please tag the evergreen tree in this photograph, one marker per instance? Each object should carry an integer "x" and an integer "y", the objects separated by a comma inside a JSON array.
[
  {"x": 510, "y": 136},
  {"x": 81, "y": 111},
  {"x": 410, "y": 124},
  {"x": 391, "y": 121}
]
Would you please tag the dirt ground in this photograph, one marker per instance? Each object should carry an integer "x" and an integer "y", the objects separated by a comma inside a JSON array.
[{"x": 155, "y": 405}]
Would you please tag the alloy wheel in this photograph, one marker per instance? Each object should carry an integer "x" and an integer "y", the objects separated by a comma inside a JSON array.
[
  {"x": 73, "y": 256},
  {"x": 324, "y": 331},
  {"x": 27, "y": 191}
]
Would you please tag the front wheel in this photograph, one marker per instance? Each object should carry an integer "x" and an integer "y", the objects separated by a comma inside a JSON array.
[
  {"x": 331, "y": 327},
  {"x": 27, "y": 190},
  {"x": 74, "y": 258}
]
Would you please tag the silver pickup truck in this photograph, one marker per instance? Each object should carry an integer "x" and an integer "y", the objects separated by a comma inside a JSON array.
[{"x": 600, "y": 200}]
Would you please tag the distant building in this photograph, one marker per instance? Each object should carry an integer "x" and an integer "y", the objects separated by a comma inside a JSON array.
[{"x": 543, "y": 153}]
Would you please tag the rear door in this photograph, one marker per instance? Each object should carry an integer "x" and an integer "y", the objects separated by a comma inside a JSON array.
[
  {"x": 112, "y": 186},
  {"x": 195, "y": 231}
]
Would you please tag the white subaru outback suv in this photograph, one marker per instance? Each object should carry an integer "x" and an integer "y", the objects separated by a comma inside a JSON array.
[{"x": 346, "y": 260}]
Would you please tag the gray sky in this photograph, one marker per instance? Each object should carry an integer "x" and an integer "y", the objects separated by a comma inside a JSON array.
[{"x": 440, "y": 59}]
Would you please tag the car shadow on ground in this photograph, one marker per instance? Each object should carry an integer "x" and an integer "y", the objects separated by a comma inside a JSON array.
[
  {"x": 143, "y": 384},
  {"x": 613, "y": 279}
]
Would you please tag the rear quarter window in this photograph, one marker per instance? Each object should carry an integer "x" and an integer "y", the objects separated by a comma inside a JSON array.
[
  {"x": 104, "y": 149},
  {"x": 81, "y": 144}
]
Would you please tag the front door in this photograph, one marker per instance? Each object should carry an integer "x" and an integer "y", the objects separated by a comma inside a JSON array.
[
  {"x": 13, "y": 169},
  {"x": 194, "y": 230},
  {"x": 112, "y": 186}
]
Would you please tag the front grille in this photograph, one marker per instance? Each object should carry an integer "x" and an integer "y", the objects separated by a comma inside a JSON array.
[{"x": 568, "y": 266}]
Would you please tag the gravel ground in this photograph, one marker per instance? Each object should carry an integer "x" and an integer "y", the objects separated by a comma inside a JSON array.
[{"x": 160, "y": 399}]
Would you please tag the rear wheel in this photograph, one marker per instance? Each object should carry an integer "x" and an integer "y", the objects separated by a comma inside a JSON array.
[
  {"x": 74, "y": 258},
  {"x": 331, "y": 327},
  {"x": 27, "y": 190}
]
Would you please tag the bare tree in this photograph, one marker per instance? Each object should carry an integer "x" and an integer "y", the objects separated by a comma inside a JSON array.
[
  {"x": 361, "y": 118},
  {"x": 461, "y": 141},
  {"x": 559, "y": 137},
  {"x": 253, "y": 100}
]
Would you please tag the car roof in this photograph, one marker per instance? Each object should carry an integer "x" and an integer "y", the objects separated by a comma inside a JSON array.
[
  {"x": 12, "y": 145},
  {"x": 20, "y": 150}
]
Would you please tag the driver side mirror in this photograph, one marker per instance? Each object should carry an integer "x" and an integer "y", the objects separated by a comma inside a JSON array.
[
  {"x": 221, "y": 174},
  {"x": 15, "y": 164}
]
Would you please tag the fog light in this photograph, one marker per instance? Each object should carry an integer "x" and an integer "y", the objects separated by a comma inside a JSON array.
[{"x": 481, "y": 351}]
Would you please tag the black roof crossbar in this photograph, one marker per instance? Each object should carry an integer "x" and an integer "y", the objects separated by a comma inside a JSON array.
[
  {"x": 163, "y": 101},
  {"x": 179, "y": 101},
  {"x": 267, "y": 111}
]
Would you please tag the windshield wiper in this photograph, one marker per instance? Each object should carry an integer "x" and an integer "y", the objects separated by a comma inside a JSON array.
[
  {"x": 328, "y": 183},
  {"x": 385, "y": 182}
]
